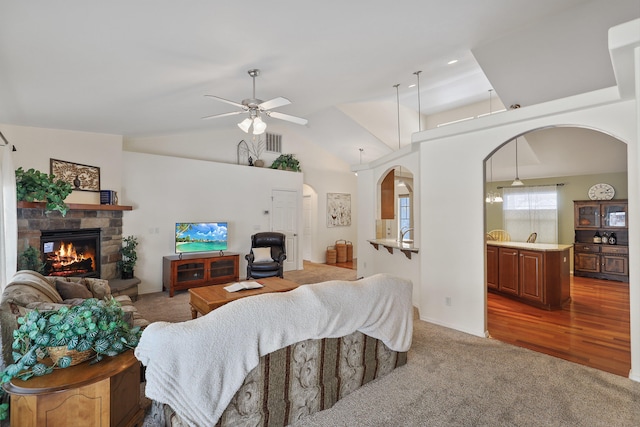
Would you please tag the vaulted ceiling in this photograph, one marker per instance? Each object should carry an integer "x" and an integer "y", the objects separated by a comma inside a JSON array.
[{"x": 142, "y": 68}]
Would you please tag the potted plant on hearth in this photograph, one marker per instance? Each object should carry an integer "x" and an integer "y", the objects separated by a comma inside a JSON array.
[
  {"x": 129, "y": 257},
  {"x": 30, "y": 259},
  {"x": 36, "y": 186},
  {"x": 66, "y": 337}
]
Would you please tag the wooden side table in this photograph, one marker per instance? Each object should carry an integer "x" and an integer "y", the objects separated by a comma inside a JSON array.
[{"x": 105, "y": 394}]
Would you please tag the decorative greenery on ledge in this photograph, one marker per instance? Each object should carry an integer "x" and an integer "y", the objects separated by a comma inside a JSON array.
[
  {"x": 287, "y": 162},
  {"x": 36, "y": 186}
]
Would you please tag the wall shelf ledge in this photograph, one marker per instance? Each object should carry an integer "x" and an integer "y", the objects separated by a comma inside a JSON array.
[{"x": 406, "y": 248}]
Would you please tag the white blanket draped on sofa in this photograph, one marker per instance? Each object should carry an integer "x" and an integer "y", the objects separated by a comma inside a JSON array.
[{"x": 197, "y": 366}]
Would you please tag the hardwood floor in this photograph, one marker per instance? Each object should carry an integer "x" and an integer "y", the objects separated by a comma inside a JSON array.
[
  {"x": 592, "y": 329},
  {"x": 352, "y": 265}
]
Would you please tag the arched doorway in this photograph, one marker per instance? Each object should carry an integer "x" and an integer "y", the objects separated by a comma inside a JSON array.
[
  {"x": 597, "y": 158},
  {"x": 395, "y": 219}
]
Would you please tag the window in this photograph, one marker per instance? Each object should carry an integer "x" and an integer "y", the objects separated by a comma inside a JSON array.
[
  {"x": 531, "y": 209},
  {"x": 404, "y": 210}
]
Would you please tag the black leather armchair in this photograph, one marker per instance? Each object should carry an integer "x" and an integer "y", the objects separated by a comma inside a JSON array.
[{"x": 257, "y": 268}]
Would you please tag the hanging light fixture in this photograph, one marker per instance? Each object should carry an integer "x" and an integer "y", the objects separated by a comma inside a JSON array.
[
  {"x": 417, "y": 73},
  {"x": 516, "y": 182},
  {"x": 398, "y": 107},
  {"x": 492, "y": 197}
]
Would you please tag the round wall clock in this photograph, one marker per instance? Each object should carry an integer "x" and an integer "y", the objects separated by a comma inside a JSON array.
[{"x": 601, "y": 191}]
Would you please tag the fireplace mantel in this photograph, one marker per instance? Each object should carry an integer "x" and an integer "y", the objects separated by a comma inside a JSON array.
[{"x": 77, "y": 206}]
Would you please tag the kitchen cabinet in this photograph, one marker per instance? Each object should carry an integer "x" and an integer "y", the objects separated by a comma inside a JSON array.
[
  {"x": 533, "y": 273},
  {"x": 601, "y": 260},
  {"x": 492, "y": 267}
]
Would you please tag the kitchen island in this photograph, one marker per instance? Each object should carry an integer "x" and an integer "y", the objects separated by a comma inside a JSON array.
[{"x": 533, "y": 273}]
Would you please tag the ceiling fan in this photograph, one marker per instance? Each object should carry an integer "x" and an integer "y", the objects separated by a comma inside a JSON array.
[{"x": 255, "y": 107}]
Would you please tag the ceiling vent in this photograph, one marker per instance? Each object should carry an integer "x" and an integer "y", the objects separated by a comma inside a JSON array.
[{"x": 273, "y": 143}]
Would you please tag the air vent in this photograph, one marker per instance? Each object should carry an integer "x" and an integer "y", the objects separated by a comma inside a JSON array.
[{"x": 273, "y": 143}]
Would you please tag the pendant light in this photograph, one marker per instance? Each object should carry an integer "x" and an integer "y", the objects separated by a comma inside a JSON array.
[
  {"x": 399, "y": 144},
  {"x": 398, "y": 108},
  {"x": 417, "y": 73},
  {"x": 516, "y": 182},
  {"x": 491, "y": 196}
]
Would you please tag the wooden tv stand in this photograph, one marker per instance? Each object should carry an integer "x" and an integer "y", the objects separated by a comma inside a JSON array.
[{"x": 201, "y": 269}]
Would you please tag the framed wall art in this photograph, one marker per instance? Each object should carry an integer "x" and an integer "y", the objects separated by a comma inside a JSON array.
[
  {"x": 81, "y": 177},
  {"x": 338, "y": 209}
]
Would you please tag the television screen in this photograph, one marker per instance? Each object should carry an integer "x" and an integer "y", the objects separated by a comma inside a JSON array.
[{"x": 201, "y": 236}]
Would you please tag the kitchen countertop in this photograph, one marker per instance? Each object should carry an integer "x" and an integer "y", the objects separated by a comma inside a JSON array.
[{"x": 543, "y": 247}]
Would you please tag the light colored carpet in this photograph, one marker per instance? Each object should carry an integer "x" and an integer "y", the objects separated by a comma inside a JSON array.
[{"x": 456, "y": 379}]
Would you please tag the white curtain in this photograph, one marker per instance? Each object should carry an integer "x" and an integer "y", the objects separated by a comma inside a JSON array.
[
  {"x": 8, "y": 217},
  {"x": 529, "y": 210}
]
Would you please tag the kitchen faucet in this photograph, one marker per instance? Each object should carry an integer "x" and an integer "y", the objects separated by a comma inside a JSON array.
[{"x": 403, "y": 232}]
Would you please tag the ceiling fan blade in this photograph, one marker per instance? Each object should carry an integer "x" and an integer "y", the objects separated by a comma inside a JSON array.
[
  {"x": 274, "y": 103},
  {"x": 287, "y": 117},
  {"x": 227, "y": 101},
  {"x": 215, "y": 116}
]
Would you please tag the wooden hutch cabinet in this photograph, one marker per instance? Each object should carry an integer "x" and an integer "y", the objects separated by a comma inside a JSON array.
[
  {"x": 195, "y": 270},
  {"x": 601, "y": 260}
]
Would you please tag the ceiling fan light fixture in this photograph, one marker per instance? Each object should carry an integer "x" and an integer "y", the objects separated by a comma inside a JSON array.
[
  {"x": 245, "y": 125},
  {"x": 259, "y": 126}
]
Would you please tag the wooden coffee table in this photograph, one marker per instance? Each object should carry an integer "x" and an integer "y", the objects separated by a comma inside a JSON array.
[{"x": 208, "y": 298}]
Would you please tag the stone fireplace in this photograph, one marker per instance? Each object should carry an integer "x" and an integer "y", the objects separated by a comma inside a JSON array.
[{"x": 34, "y": 223}]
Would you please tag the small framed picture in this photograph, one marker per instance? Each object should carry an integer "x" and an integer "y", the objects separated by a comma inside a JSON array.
[{"x": 81, "y": 177}]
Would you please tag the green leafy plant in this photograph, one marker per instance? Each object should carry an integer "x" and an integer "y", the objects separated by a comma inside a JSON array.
[
  {"x": 286, "y": 162},
  {"x": 30, "y": 259},
  {"x": 98, "y": 325},
  {"x": 36, "y": 186},
  {"x": 129, "y": 256}
]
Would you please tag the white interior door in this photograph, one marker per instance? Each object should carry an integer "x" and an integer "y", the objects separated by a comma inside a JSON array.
[{"x": 284, "y": 219}]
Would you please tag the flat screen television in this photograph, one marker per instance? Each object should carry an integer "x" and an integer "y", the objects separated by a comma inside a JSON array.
[{"x": 201, "y": 236}]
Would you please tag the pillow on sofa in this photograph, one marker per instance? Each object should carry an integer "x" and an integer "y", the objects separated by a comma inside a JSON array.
[
  {"x": 98, "y": 287},
  {"x": 71, "y": 290},
  {"x": 29, "y": 286},
  {"x": 262, "y": 255}
]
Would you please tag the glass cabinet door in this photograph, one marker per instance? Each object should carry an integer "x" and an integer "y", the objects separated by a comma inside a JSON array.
[
  {"x": 588, "y": 215},
  {"x": 614, "y": 215},
  {"x": 190, "y": 271}
]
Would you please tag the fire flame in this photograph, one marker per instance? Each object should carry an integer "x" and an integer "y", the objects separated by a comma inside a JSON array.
[{"x": 66, "y": 255}]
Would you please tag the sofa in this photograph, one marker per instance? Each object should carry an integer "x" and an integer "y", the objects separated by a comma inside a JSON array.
[
  {"x": 274, "y": 359},
  {"x": 29, "y": 290}
]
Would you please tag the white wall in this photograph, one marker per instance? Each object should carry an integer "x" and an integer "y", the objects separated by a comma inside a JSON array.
[
  {"x": 370, "y": 260},
  {"x": 452, "y": 256},
  {"x": 322, "y": 171},
  {"x": 36, "y": 146},
  {"x": 164, "y": 190}
]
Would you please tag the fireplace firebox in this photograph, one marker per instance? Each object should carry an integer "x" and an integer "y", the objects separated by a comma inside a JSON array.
[{"x": 71, "y": 252}]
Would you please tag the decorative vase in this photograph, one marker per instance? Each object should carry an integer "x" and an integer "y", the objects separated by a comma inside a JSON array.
[
  {"x": 127, "y": 275},
  {"x": 259, "y": 163}
]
